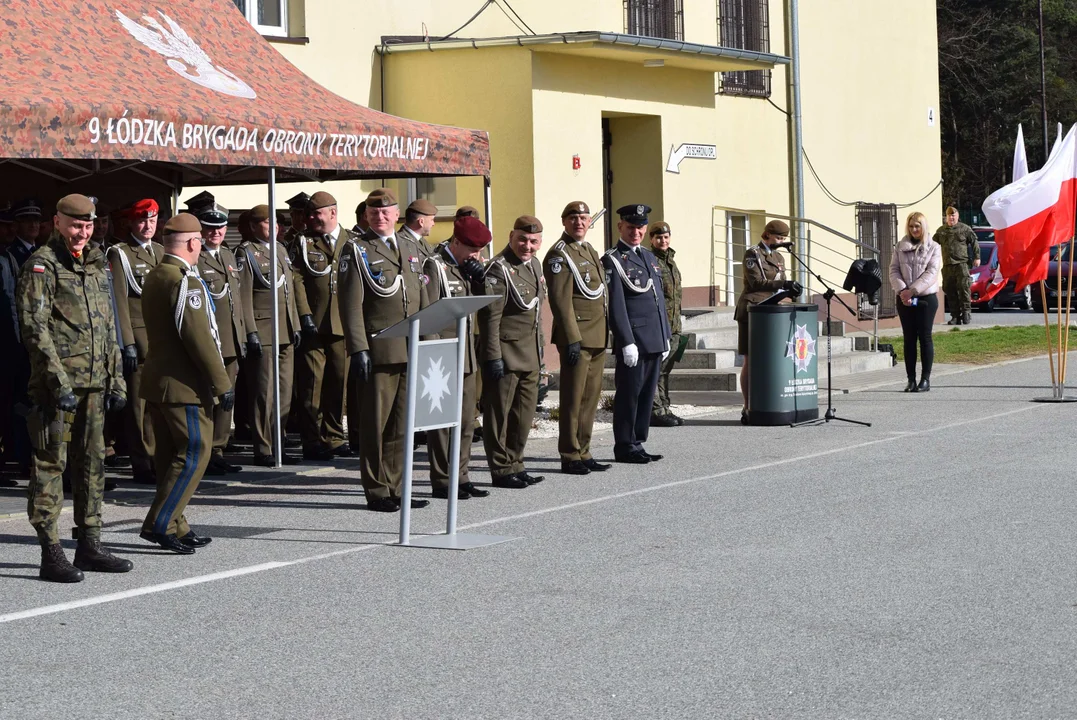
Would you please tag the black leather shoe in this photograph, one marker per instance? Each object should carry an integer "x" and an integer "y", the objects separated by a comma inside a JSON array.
[
  {"x": 195, "y": 541},
  {"x": 636, "y": 457},
  {"x": 55, "y": 566},
  {"x": 289, "y": 460},
  {"x": 925, "y": 385},
  {"x": 743, "y": 416},
  {"x": 911, "y": 387},
  {"x": 224, "y": 465},
  {"x": 652, "y": 457},
  {"x": 214, "y": 469},
  {"x": 92, "y": 557},
  {"x": 267, "y": 460},
  {"x": 344, "y": 450},
  {"x": 117, "y": 461},
  {"x": 530, "y": 479},
  {"x": 473, "y": 490},
  {"x": 110, "y": 485},
  {"x": 416, "y": 503},
  {"x": 575, "y": 467},
  {"x": 385, "y": 505},
  {"x": 663, "y": 421},
  {"x": 168, "y": 542},
  {"x": 145, "y": 477},
  {"x": 442, "y": 493},
  {"x": 509, "y": 482},
  {"x": 595, "y": 466},
  {"x": 319, "y": 454}
]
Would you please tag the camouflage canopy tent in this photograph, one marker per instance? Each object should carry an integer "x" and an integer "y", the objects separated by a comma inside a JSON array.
[
  {"x": 99, "y": 93},
  {"x": 137, "y": 98}
]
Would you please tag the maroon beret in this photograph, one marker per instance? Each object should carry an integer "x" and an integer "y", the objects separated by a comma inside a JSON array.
[{"x": 471, "y": 231}]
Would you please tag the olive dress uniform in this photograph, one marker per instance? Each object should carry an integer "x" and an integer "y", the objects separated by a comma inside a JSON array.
[
  {"x": 764, "y": 275},
  {"x": 447, "y": 280},
  {"x": 380, "y": 283},
  {"x": 510, "y": 329},
  {"x": 234, "y": 315},
  {"x": 130, "y": 263},
  {"x": 68, "y": 328},
  {"x": 957, "y": 243},
  {"x": 637, "y": 318},
  {"x": 184, "y": 374},
  {"x": 573, "y": 273},
  {"x": 671, "y": 289},
  {"x": 322, "y": 363},
  {"x": 254, "y": 260}
]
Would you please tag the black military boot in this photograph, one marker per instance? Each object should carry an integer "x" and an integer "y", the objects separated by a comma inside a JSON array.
[
  {"x": 56, "y": 568},
  {"x": 92, "y": 557}
]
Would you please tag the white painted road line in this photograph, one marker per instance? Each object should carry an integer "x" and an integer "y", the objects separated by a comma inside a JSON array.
[{"x": 249, "y": 570}]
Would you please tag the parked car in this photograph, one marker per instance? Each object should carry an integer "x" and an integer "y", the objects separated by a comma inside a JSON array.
[
  {"x": 1060, "y": 255},
  {"x": 989, "y": 288}
]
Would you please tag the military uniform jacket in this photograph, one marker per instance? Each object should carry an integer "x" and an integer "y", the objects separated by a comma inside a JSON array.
[
  {"x": 378, "y": 288},
  {"x": 184, "y": 366},
  {"x": 231, "y": 300},
  {"x": 637, "y": 303},
  {"x": 959, "y": 244},
  {"x": 446, "y": 280},
  {"x": 577, "y": 294},
  {"x": 671, "y": 287},
  {"x": 316, "y": 264},
  {"x": 253, "y": 259},
  {"x": 19, "y": 252},
  {"x": 764, "y": 275},
  {"x": 420, "y": 242},
  {"x": 68, "y": 327},
  {"x": 130, "y": 264},
  {"x": 510, "y": 328}
]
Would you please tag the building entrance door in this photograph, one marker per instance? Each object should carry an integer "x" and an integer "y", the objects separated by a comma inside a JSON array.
[{"x": 631, "y": 166}]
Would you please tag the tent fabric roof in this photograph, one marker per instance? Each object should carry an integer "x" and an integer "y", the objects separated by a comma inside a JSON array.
[{"x": 191, "y": 84}]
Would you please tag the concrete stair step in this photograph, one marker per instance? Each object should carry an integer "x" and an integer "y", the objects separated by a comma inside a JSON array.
[
  {"x": 693, "y": 360},
  {"x": 707, "y": 318},
  {"x": 726, "y": 339}
]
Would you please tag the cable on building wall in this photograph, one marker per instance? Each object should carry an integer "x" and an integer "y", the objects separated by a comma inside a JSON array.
[
  {"x": 513, "y": 10},
  {"x": 470, "y": 20}
]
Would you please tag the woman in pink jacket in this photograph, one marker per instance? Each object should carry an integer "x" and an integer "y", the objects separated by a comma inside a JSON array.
[{"x": 914, "y": 273}]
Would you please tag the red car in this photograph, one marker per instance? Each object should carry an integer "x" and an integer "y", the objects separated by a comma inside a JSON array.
[
  {"x": 1059, "y": 256},
  {"x": 989, "y": 289}
]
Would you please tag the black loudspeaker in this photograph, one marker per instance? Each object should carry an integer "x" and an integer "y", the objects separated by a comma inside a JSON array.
[{"x": 865, "y": 277}]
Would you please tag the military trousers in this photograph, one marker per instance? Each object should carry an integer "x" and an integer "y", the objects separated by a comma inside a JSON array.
[
  {"x": 956, "y": 284},
  {"x": 139, "y": 429},
  {"x": 382, "y": 405},
  {"x": 632, "y": 401},
  {"x": 661, "y": 403},
  {"x": 184, "y": 443},
  {"x": 87, "y": 458},
  {"x": 508, "y": 411},
  {"x": 320, "y": 378},
  {"x": 581, "y": 389},
  {"x": 261, "y": 396},
  {"x": 222, "y": 419},
  {"x": 439, "y": 442}
]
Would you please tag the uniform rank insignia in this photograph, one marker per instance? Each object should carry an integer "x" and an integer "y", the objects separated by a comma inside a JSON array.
[
  {"x": 194, "y": 299},
  {"x": 555, "y": 267}
]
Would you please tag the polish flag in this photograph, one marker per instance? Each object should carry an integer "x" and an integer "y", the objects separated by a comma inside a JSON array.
[
  {"x": 1020, "y": 160},
  {"x": 1058, "y": 142},
  {"x": 1035, "y": 213}
]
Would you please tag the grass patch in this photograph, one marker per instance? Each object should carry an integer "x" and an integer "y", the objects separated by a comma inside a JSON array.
[{"x": 987, "y": 345}]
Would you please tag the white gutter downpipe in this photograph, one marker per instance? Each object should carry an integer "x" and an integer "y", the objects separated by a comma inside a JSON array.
[{"x": 798, "y": 140}]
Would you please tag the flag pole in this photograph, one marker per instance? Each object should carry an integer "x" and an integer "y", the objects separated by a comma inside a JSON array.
[
  {"x": 1069, "y": 307},
  {"x": 1058, "y": 284},
  {"x": 1047, "y": 331}
]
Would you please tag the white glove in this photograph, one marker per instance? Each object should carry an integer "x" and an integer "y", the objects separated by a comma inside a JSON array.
[
  {"x": 631, "y": 353},
  {"x": 665, "y": 353}
]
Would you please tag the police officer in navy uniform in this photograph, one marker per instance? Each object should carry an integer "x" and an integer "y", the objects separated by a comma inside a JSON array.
[{"x": 641, "y": 333}]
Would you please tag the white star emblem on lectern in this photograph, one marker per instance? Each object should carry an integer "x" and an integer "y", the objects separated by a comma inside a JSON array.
[{"x": 435, "y": 384}]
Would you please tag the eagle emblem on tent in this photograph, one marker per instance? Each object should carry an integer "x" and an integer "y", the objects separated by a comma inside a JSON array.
[{"x": 184, "y": 55}]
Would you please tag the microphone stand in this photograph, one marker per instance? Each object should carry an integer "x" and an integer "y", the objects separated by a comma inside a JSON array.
[{"x": 831, "y": 413}]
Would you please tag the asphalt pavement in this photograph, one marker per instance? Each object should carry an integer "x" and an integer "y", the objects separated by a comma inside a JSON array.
[{"x": 922, "y": 567}]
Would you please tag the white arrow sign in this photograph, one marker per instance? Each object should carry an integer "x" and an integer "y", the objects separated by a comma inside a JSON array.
[{"x": 689, "y": 150}]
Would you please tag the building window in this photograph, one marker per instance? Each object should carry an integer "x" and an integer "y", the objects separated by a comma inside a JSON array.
[
  {"x": 876, "y": 227},
  {"x": 655, "y": 18},
  {"x": 441, "y": 191},
  {"x": 745, "y": 25},
  {"x": 269, "y": 17}
]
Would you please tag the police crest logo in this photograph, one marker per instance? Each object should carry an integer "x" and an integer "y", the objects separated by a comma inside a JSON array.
[
  {"x": 555, "y": 265},
  {"x": 184, "y": 56},
  {"x": 801, "y": 348}
]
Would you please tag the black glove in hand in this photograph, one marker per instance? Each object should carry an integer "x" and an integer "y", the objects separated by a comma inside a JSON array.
[
  {"x": 114, "y": 403},
  {"x": 254, "y": 345},
  {"x": 296, "y": 337},
  {"x": 473, "y": 270},
  {"x": 130, "y": 359},
  {"x": 67, "y": 402},
  {"x": 495, "y": 369},
  {"x": 572, "y": 354},
  {"x": 360, "y": 363},
  {"x": 792, "y": 286},
  {"x": 228, "y": 400},
  {"x": 307, "y": 323}
]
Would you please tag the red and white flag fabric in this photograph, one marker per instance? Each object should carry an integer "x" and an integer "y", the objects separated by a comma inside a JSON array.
[
  {"x": 1020, "y": 160},
  {"x": 1035, "y": 213},
  {"x": 1058, "y": 142}
]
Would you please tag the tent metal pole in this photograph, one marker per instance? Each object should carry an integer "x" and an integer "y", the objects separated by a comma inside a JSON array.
[
  {"x": 489, "y": 214},
  {"x": 275, "y": 316},
  {"x": 175, "y": 201}
]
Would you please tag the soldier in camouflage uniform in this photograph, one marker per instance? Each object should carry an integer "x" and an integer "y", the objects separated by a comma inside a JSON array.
[
  {"x": 661, "y": 415},
  {"x": 960, "y": 253},
  {"x": 66, "y": 316}
]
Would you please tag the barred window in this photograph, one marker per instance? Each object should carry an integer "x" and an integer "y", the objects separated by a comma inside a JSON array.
[
  {"x": 876, "y": 226},
  {"x": 745, "y": 25},
  {"x": 655, "y": 18}
]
